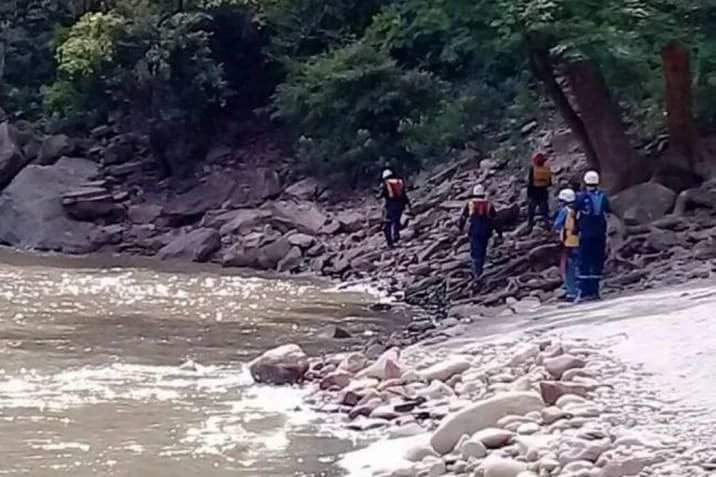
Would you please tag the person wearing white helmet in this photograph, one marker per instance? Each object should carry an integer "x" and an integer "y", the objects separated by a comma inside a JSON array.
[
  {"x": 566, "y": 226},
  {"x": 396, "y": 200},
  {"x": 482, "y": 216},
  {"x": 592, "y": 208}
]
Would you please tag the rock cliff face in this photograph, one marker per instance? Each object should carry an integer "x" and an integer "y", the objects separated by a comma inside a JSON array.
[{"x": 245, "y": 208}]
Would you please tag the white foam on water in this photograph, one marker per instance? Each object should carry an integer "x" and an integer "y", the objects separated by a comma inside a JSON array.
[{"x": 381, "y": 457}]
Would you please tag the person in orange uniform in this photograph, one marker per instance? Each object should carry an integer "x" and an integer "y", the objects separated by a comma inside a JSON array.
[
  {"x": 482, "y": 216},
  {"x": 539, "y": 181},
  {"x": 396, "y": 200}
]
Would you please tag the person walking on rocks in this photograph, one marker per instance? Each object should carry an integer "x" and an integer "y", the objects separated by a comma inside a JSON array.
[
  {"x": 396, "y": 200},
  {"x": 482, "y": 216},
  {"x": 539, "y": 180},
  {"x": 592, "y": 208},
  {"x": 566, "y": 225}
]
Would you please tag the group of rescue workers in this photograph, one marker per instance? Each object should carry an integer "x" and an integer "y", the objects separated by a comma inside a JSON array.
[{"x": 580, "y": 222}]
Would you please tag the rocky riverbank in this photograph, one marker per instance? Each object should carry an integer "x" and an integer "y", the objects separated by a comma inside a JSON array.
[
  {"x": 245, "y": 207},
  {"x": 518, "y": 405}
]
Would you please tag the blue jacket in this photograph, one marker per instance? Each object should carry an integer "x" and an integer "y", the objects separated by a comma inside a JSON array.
[{"x": 592, "y": 208}]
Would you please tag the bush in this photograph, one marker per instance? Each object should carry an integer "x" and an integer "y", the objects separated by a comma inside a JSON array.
[{"x": 354, "y": 110}]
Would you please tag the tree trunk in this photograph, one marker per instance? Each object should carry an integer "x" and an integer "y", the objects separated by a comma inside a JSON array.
[
  {"x": 679, "y": 115},
  {"x": 619, "y": 164},
  {"x": 543, "y": 70}
]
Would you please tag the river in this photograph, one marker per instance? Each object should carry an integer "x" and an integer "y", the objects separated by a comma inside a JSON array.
[{"x": 134, "y": 370}]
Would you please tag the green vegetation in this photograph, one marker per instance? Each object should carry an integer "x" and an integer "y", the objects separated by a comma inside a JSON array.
[{"x": 358, "y": 83}]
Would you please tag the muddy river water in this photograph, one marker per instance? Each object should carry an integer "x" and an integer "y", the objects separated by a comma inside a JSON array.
[{"x": 133, "y": 371}]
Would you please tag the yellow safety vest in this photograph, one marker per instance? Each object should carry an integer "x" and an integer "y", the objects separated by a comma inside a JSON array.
[
  {"x": 570, "y": 239},
  {"x": 541, "y": 176}
]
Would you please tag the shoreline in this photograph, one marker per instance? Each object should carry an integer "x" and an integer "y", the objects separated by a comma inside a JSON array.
[{"x": 585, "y": 434}]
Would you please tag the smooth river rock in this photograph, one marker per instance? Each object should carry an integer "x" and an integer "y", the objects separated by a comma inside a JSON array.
[
  {"x": 445, "y": 370},
  {"x": 500, "y": 467},
  {"x": 283, "y": 365},
  {"x": 559, "y": 365},
  {"x": 482, "y": 415}
]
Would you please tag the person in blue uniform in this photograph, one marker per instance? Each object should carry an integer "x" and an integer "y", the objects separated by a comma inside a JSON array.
[{"x": 592, "y": 208}]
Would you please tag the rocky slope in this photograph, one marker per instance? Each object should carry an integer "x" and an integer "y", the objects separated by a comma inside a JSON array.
[{"x": 244, "y": 207}]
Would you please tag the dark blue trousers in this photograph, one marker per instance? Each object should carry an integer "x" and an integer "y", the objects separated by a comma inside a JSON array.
[
  {"x": 478, "y": 252},
  {"x": 592, "y": 255},
  {"x": 391, "y": 225}
]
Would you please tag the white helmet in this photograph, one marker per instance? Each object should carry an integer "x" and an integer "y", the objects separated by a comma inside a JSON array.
[
  {"x": 478, "y": 190},
  {"x": 387, "y": 174},
  {"x": 567, "y": 195},
  {"x": 591, "y": 178}
]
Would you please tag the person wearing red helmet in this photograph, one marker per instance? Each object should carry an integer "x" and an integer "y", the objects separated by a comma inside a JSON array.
[{"x": 539, "y": 181}]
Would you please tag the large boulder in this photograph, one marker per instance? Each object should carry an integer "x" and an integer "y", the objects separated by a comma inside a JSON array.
[
  {"x": 31, "y": 211},
  {"x": 306, "y": 189},
  {"x": 12, "y": 159},
  {"x": 305, "y": 217},
  {"x": 482, "y": 415},
  {"x": 144, "y": 213},
  {"x": 89, "y": 203},
  {"x": 191, "y": 206},
  {"x": 644, "y": 203},
  {"x": 352, "y": 221},
  {"x": 53, "y": 148},
  {"x": 272, "y": 254},
  {"x": 255, "y": 187},
  {"x": 241, "y": 256},
  {"x": 243, "y": 221},
  {"x": 198, "y": 245},
  {"x": 286, "y": 364}
]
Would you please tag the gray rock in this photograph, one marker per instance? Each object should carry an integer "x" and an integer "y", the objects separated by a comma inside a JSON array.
[
  {"x": 351, "y": 221},
  {"x": 31, "y": 212},
  {"x": 558, "y": 365},
  {"x": 144, "y": 213},
  {"x": 89, "y": 203},
  {"x": 271, "y": 255},
  {"x": 109, "y": 235},
  {"x": 241, "y": 257},
  {"x": 302, "y": 241},
  {"x": 705, "y": 250},
  {"x": 662, "y": 240},
  {"x": 305, "y": 217},
  {"x": 120, "y": 151},
  {"x": 198, "y": 245},
  {"x": 306, "y": 189},
  {"x": 53, "y": 148},
  {"x": 122, "y": 170},
  {"x": 255, "y": 186},
  {"x": 291, "y": 261},
  {"x": 286, "y": 364},
  {"x": 644, "y": 203},
  {"x": 244, "y": 220},
  {"x": 192, "y": 205},
  {"x": 12, "y": 158}
]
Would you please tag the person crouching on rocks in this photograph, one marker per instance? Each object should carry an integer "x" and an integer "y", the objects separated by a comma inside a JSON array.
[
  {"x": 566, "y": 225},
  {"x": 482, "y": 216},
  {"x": 539, "y": 181},
  {"x": 396, "y": 200},
  {"x": 592, "y": 208}
]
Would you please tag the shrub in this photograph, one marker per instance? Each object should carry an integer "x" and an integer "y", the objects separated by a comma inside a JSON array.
[{"x": 354, "y": 110}]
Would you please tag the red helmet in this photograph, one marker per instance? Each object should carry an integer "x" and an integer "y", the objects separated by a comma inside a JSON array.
[{"x": 539, "y": 159}]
